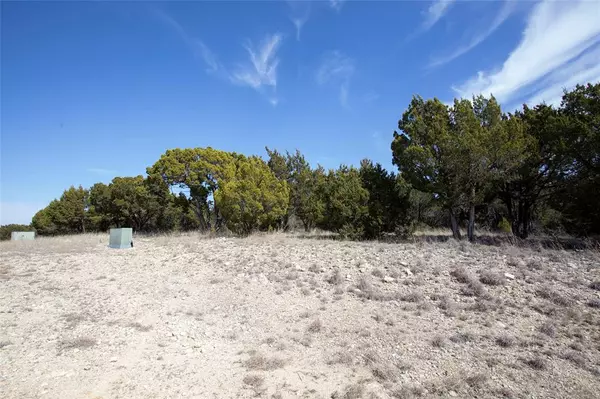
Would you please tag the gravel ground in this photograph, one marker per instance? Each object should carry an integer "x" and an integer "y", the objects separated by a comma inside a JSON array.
[{"x": 277, "y": 316}]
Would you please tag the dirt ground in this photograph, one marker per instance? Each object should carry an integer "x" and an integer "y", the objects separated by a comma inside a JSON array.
[{"x": 277, "y": 316}]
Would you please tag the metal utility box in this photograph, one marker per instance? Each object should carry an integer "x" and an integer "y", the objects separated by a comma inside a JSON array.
[
  {"x": 121, "y": 238},
  {"x": 22, "y": 235}
]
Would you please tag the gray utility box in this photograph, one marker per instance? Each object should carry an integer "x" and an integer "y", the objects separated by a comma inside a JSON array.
[
  {"x": 22, "y": 235},
  {"x": 121, "y": 238}
]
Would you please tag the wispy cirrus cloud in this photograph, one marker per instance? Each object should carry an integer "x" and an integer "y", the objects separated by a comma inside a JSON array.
[
  {"x": 258, "y": 72},
  {"x": 435, "y": 12},
  {"x": 299, "y": 14},
  {"x": 197, "y": 46},
  {"x": 505, "y": 11},
  {"x": 585, "y": 68},
  {"x": 337, "y": 68},
  {"x": 336, "y": 4},
  {"x": 555, "y": 40},
  {"x": 261, "y": 70}
]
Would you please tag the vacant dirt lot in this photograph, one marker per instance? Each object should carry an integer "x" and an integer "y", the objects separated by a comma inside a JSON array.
[{"x": 279, "y": 317}]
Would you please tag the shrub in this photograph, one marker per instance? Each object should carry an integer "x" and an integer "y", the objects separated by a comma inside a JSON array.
[
  {"x": 261, "y": 362},
  {"x": 504, "y": 226},
  {"x": 461, "y": 275},
  {"x": 594, "y": 303},
  {"x": 537, "y": 363},
  {"x": 491, "y": 278},
  {"x": 505, "y": 341}
]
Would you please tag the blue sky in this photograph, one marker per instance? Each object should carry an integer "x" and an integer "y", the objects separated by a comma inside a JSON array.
[{"x": 94, "y": 90}]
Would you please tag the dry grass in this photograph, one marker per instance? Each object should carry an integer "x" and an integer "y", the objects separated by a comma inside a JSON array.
[
  {"x": 78, "y": 343},
  {"x": 505, "y": 341},
  {"x": 140, "y": 327},
  {"x": 258, "y": 361},
  {"x": 553, "y": 296},
  {"x": 548, "y": 328},
  {"x": 461, "y": 275},
  {"x": 408, "y": 392},
  {"x": 73, "y": 319},
  {"x": 315, "y": 327},
  {"x": 254, "y": 380},
  {"x": 462, "y": 337},
  {"x": 341, "y": 357},
  {"x": 537, "y": 363},
  {"x": 594, "y": 303},
  {"x": 353, "y": 391},
  {"x": 414, "y": 296},
  {"x": 377, "y": 273},
  {"x": 438, "y": 341},
  {"x": 489, "y": 277},
  {"x": 336, "y": 277}
]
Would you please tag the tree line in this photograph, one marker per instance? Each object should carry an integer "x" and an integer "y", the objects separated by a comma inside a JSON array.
[{"x": 459, "y": 166}]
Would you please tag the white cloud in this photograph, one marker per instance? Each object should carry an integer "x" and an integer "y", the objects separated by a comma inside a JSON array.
[
  {"x": 18, "y": 212},
  {"x": 197, "y": 46},
  {"x": 259, "y": 72},
  {"x": 336, "y": 68},
  {"x": 210, "y": 59},
  {"x": 555, "y": 35},
  {"x": 262, "y": 68},
  {"x": 299, "y": 13},
  {"x": 344, "y": 94},
  {"x": 585, "y": 69},
  {"x": 335, "y": 65},
  {"x": 435, "y": 12},
  {"x": 505, "y": 12},
  {"x": 336, "y": 4}
]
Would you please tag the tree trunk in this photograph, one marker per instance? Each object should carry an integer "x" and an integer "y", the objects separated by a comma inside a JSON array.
[
  {"x": 197, "y": 208},
  {"x": 471, "y": 226},
  {"x": 454, "y": 225},
  {"x": 524, "y": 220}
]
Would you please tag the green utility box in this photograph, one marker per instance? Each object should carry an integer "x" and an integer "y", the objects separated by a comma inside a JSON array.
[
  {"x": 22, "y": 235},
  {"x": 121, "y": 238}
]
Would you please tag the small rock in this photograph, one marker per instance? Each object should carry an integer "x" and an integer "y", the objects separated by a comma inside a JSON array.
[
  {"x": 403, "y": 264},
  {"x": 86, "y": 367},
  {"x": 113, "y": 359},
  {"x": 500, "y": 324},
  {"x": 388, "y": 279},
  {"x": 453, "y": 394},
  {"x": 509, "y": 276},
  {"x": 408, "y": 272}
]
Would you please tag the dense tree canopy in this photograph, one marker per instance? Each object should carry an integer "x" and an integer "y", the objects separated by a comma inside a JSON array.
[
  {"x": 460, "y": 166},
  {"x": 253, "y": 199}
]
